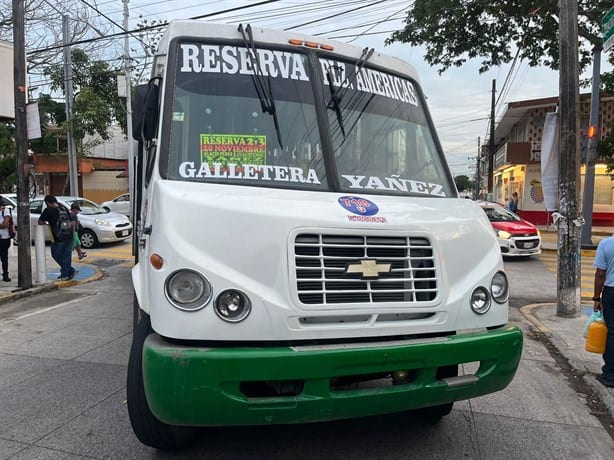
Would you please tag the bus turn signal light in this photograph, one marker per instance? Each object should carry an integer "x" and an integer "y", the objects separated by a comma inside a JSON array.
[{"x": 156, "y": 261}]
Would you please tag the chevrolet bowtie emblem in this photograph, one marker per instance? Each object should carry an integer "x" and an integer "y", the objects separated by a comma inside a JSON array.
[{"x": 368, "y": 268}]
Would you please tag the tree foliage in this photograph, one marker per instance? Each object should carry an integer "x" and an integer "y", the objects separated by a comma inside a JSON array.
[
  {"x": 96, "y": 103},
  {"x": 7, "y": 158},
  {"x": 52, "y": 117},
  {"x": 149, "y": 32},
  {"x": 7, "y": 144},
  {"x": 463, "y": 183},
  {"x": 454, "y": 31}
]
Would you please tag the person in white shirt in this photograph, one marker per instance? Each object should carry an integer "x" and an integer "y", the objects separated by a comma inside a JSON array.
[{"x": 5, "y": 240}]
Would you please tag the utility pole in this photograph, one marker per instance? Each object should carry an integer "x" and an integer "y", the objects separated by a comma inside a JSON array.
[
  {"x": 568, "y": 280},
  {"x": 477, "y": 172},
  {"x": 129, "y": 111},
  {"x": 591, "y": 153},
  {"x": 68, "y": 92},
  {"x": 491, "y": 143},
  {"x": 24, "y": 257}
]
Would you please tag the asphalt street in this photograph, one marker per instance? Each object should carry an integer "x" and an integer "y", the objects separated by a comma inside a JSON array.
[{"x": 63, "y": 357}]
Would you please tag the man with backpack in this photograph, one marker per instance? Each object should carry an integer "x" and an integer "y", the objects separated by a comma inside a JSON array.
[{"x": 62, "y": 231}]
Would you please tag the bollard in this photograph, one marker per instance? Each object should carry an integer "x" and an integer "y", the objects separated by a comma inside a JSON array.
[{"x": 39, "y": 250}]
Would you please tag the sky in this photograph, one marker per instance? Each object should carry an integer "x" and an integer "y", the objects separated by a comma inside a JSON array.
[{"x": 459, "y": 99}]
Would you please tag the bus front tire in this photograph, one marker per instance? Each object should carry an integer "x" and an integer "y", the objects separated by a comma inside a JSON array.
[
  {"x": 435, "y": 413},
  {"x": 147, "y": 428}
]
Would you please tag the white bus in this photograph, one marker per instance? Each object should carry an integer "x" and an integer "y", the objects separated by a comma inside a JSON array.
[{"x": 302, "y": 254}]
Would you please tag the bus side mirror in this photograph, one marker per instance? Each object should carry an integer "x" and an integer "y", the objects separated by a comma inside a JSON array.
[
  {"x": 151, "y": 111},
  {"x": 138, "y": 111},
  {"x": 146, "y": 111}
]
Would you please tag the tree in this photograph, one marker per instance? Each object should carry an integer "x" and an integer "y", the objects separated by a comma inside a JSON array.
[
  {"x": 454, "y": 31},
  {"x": 149, "y": 33},
  {"x": 463, "y": 183},
  {"x": 52, "y": 117},
  {"x": 44, "y": 32},
  {"x": 7, "y": 158},
  {"x": 96, "y": 105},
  {"x": 7, "y": 144}
]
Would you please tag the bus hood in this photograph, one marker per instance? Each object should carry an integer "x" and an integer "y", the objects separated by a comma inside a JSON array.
[{"x": 244, "y": 238}]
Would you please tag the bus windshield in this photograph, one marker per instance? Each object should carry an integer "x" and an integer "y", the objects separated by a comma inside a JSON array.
[
  {"x": 250, "y": 118},
  {"x": 220, "y": 130},
  {"x": 381, "y": 138}
]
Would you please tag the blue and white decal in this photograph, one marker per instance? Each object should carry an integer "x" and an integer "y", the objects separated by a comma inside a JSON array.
[
  {"x": 358, "y": 205},
  {"x": 364, "y": 210}
]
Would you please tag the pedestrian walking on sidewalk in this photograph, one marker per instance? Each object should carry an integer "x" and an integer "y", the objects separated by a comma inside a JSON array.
[
  {"x": 75, "y": 209},
  {"x": 603, "y": 298},
  {"x": 62, "y": 232},
  {"x": 5, "y": 240}
]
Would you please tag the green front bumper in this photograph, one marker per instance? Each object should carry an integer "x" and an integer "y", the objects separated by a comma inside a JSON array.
[{"x": 201, "y": 386}]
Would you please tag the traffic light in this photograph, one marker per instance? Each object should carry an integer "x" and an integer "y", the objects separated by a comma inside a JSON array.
[
  {"x": 591, "y": 132},
  {"x": 592, "y": 137}
]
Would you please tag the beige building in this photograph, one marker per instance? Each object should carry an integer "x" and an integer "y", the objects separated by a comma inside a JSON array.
[{"x": 517, "y": 161}]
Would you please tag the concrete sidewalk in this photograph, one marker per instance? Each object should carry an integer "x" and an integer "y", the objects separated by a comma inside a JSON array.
[
  {"x": 10, "y": 290},
  {"x": 567, "y": 336},
  {"x": 549, "y": 236}
]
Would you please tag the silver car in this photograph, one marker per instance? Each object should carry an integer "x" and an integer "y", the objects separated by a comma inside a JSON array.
[
  {"x": 99, "y": 225},
  {"x": 120, "y": 204}
]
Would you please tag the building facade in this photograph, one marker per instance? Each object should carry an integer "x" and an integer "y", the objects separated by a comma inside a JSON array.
[{"x": 517, "y": 159}]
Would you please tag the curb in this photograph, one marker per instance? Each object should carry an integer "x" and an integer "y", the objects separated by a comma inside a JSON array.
[
  {"x": 583, "y": 252},
  {"x": 20, "y": 293},
  {"x": 527, "y": 312},
  {"x": 98, "y": 274}
]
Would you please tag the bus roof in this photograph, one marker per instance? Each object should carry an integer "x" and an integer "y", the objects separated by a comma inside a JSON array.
[{"x": 201, "y": 29}]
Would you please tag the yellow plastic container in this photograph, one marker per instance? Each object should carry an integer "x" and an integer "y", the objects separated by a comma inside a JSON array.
[{"x": 596, "y": 337}]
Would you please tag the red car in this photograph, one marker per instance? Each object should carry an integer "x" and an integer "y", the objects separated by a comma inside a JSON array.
[{"x": 517, "y": 237}]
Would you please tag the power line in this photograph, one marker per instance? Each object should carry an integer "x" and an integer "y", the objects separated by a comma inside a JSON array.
[
  {"x": 156, "y": 26},
  {"x": 335, "y": 15},
  {"x": 113, "y": 22}
]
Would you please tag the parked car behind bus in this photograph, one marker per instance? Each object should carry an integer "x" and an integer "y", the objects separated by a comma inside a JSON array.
[
  {"x": 120, "y": 204},
  {"x": 99, "y": 224}
]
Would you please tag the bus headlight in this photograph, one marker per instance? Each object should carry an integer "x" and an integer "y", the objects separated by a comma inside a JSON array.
[
  {"x": 187, "y": 290},
  {"x": 499, "y": 287},
  {"x": 232, "y": 305},
  {"x": 480, "y": 300}
]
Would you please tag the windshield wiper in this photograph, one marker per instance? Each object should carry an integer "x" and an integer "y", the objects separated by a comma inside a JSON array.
[
  {"x": 265, "y": 94},
  {"x": 335, "y": 100},
  {"x": 336, "y": 94},
  {"x": 358, "y": 65}
]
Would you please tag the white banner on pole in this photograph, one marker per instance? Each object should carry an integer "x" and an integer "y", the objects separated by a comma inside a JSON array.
[
  {"x": 33, "y": 121},
  {"x": 550, "y": 161}
]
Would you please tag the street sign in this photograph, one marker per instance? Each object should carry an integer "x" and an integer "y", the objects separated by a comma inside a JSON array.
[{"x": 607, "y": 29}]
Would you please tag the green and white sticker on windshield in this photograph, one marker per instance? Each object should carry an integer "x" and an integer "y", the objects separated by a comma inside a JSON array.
[{"x": 238, "y": 149}]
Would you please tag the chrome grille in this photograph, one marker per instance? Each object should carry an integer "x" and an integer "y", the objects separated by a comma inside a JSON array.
[{"x": 321, "y": 262}]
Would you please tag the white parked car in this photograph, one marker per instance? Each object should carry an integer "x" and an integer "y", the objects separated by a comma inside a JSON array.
[
  {"x": 120, "y": 204},
  {"x": 10, "y": 201},
  {"x": 99, "y": 225}
]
